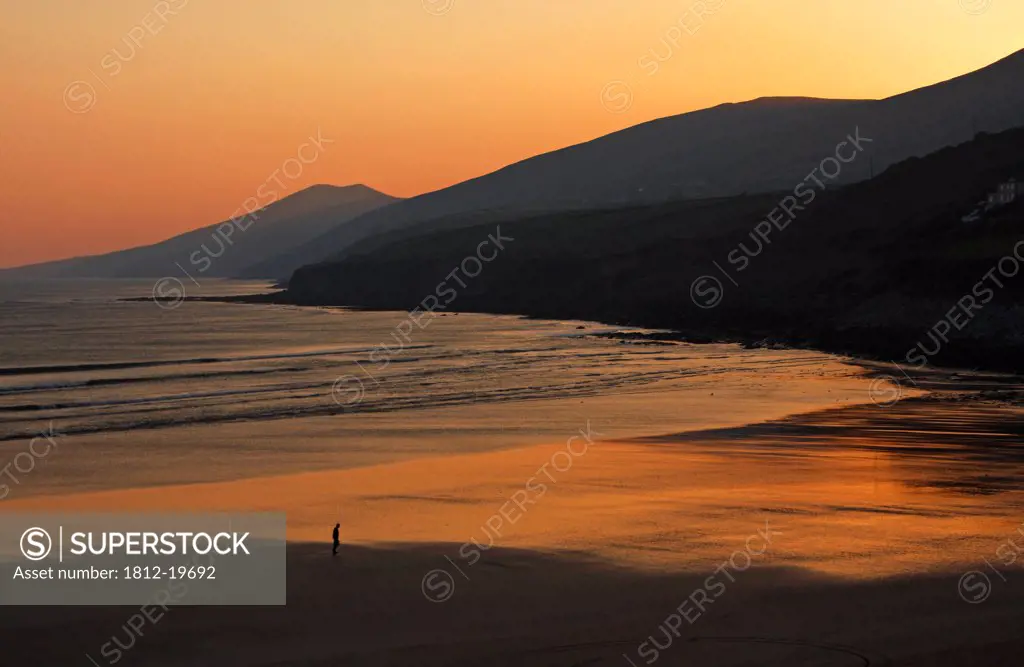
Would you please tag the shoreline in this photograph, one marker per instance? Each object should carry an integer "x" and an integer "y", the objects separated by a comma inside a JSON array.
[
  {"x": 310, "y": 443},
  {"x": 870, "y": 351},
  {"x": 670, "y": 501}
]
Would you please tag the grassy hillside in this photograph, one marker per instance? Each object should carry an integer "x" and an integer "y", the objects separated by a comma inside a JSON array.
[{"x": 870, "y": 268}]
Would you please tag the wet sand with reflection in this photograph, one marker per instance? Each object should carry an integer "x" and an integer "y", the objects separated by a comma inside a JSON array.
[
  {"x": 877, "y": 514},
  {"x": 862, "y": 491}
]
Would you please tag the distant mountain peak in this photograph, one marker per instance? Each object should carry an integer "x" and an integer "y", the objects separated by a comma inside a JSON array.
[
  {"x": 353, "y": 187},
  {"x": 325, "y": 195},
  {"x": 280, "y": 224},
  {"x": 343, "y": 192}
]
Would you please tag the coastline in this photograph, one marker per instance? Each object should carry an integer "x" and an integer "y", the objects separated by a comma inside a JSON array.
[
  {"x": 871, "y": 346},
  {"x": 669, "y": 501}
]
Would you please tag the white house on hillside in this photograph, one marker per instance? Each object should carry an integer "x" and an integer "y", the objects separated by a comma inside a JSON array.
[{"x": 1007, "y": 193}]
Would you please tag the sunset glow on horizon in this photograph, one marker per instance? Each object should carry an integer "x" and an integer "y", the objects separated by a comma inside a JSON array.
[{"x": 130, "y": 121}]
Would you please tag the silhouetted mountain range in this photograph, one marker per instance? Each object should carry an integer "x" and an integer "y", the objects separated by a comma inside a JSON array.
[
  {"x": 871, "y": 268},
  {"x": 759, "y": 146},
  {"x": 226, "y": 248}
]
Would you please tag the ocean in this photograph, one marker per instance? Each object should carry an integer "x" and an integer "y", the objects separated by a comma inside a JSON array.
[{"x": 141, "y": 393}]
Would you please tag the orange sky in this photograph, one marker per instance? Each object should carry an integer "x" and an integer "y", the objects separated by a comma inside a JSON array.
[{"x": 212, "y": 96}]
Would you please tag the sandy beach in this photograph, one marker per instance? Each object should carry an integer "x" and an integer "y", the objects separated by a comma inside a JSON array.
[
  {"x": 837, "y": 537},
  {"x": 365, "y": 608}
]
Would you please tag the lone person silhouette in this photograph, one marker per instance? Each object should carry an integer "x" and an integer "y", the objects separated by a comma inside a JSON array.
[{"x": 337, "y": 542}]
